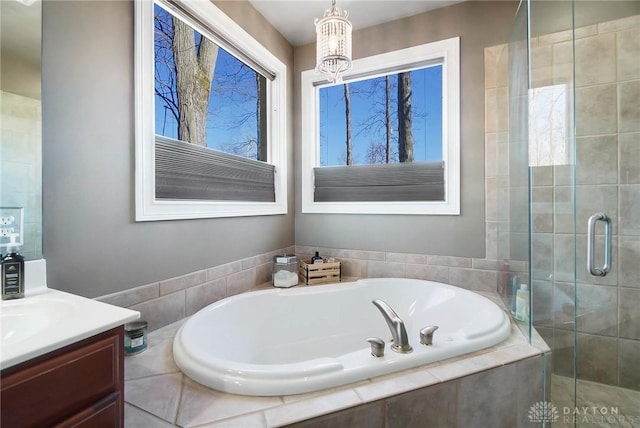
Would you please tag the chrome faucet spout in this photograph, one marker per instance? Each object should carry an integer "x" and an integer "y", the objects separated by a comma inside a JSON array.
[{"x": 396, "y": 325}]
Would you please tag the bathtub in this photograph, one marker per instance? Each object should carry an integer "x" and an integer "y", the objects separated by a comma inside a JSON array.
[{"x": 303, "y": 339}]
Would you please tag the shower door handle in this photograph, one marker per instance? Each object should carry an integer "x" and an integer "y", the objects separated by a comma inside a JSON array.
[{"x": 591, "y": 242}]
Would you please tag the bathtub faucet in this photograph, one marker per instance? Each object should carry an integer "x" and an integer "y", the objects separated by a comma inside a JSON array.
[{"x": 396, "y": 325}]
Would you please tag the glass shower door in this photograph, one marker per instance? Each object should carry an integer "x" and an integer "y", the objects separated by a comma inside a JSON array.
[
  {"x": 606, "y": 50},
  {"x": 584, "y": 159}
]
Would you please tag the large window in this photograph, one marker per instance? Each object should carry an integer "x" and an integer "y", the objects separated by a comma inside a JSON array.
[
  {"x": 210, "y": 116},
  {"x": 387, "y": 139}
]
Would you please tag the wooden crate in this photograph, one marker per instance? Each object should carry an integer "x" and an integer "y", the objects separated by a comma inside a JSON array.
[{"x": 320, "y": 273}]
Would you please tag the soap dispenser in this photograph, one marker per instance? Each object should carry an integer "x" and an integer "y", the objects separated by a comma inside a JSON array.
[
  {"x": 522, "y": 303},
  {"x": 12, "y": 273}
]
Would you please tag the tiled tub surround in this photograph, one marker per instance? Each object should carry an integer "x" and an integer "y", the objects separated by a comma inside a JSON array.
[
  {"x": 168, "y": 301},
  {"x": 492, "y": 387},
  {"x": 607, "y": 89}
]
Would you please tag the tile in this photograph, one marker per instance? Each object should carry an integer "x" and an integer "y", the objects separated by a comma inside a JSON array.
[
  {"x": 597, "y": 309},
  {"x": 563, "y": 62},
  {"x": 136, "y": 418},
  {"x": 462, "y": 262},
  {"x": 597, "y": 160},
  {"x": 542, "y": 176},
  {"x": 180, "y": 283},
  {"x": 368, "y": 415},
  {"x": 628, "y": 256},
  {"x": 542, "y": 255},
  {"x": 595, "y": 60},
  {"x": 629, "y": 147},
  {"x": 530, "y": 387},
  {"x": 619, "y": 24},
  {"x": 426, "y": 272},
  {"x": 163, "y": 310},
  {"x": 591, "y": 199},
  {"x": 200, "y": 405},
  {"x": 223, "y": 270},
  {"x": 596, "y": 110},
  {"x": 564, "y": 260},
  {"x": 541, "y": 66},
  {"x": 204, "y": 294},
  {"x": 264, "y": 273},
  {"x": 629, "y": 113},
  {"x": 563, "y": 350},
  {"x": 158, "y": 395},
  {"x": 132, "y": 296},
  {"x": 554, "y": 38},
  {"x": 491, "y": 59},
  {"x": 155, "y": 360},
  {"x": 485, "y": 264},
  {"x": 491, "y": 155},
  {"x": 630, "y": 313},
  {"x": 240, "y": 282},
  {"x": 306, "y": 409},
  {"x": 406, "y": 258},
  {"x": 464, "y": 367},
  {"x": 497, "y": 409},
  {"x": 473, "y": 279},
  {"x": 630, "y": 209},
  {"x": 435, "y": 406},
  {"x": 628, "y": 51},
  {"x": 354, "y": 267},
  {"x": 358, "y": 254},
  {"x": 385, "y": 270},
  {"x": 513, "y": 353},
  {"x": 597, "y": 358},
  {"x": 252, "y": 420},
  {"x": 398, "y": 383},
  {"x": 628, "y": 363},
  {"x": 563, "y": 306}
]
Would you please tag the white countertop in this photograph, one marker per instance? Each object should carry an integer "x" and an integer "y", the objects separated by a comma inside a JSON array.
[{"x": 51, "y": 319}]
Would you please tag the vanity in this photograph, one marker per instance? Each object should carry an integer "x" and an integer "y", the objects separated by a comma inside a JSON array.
[{"x": 62, "y": 361}]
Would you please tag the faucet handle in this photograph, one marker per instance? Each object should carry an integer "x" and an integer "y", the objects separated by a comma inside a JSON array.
[
  {"x": 377, "y": 346},
  {"x": 426, "y": 335}
]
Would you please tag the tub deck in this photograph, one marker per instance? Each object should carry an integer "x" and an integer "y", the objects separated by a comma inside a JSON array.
[{"x": 158, "y": 394}]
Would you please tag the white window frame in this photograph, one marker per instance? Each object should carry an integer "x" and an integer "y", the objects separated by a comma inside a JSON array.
[
  {"x": 148, "y": 208},
  {"x": 448, "y": 51}
]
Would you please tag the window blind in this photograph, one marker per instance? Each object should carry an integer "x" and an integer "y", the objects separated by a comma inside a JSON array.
[
  {"x": 405, "y": 181},
  {"x": 187, "y": 171}
]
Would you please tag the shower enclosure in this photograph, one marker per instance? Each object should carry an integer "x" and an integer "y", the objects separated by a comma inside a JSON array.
[{"x": 565, "y": 92}]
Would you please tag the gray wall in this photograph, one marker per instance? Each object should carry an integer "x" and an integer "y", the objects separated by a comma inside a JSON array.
[
  {"x": 479, "y": 24},
  {"x": 92, "y": 244}
]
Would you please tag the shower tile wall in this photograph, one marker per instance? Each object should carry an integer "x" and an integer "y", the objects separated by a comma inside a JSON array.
[{"x": 607, "y": 179}]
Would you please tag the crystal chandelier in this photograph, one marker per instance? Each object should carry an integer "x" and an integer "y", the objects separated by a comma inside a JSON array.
[{"x": 333, "y": 43}]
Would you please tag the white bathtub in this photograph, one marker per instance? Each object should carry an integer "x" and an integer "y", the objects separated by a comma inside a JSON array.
[{"x": 291, "y": 341}]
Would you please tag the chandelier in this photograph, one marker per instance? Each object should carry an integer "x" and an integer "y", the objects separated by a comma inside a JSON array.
[{"x": 333, "y": 43}]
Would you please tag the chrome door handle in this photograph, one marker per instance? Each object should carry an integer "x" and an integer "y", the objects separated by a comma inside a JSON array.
[{"x": 591, "y": 242}]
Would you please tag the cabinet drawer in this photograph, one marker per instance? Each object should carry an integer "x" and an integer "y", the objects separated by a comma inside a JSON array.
[
  {"x": 107, "y": 413},
  {"x": 55, "y": 388}
]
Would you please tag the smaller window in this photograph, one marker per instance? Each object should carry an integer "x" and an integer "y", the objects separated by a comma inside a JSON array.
[{"x": 387, "y": 140}]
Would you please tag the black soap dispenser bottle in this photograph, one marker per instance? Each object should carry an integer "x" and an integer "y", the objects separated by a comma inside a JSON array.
[
  {"x": 317, "y": 259},
  {"x": 12, "y": 274}
]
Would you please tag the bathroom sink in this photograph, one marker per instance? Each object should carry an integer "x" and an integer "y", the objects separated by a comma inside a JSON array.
[
  {"x": 22, "y": 319},
  {"x": 51, "y": 319}
]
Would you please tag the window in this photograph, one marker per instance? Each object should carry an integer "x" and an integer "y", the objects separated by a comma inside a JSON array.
[
  {"x": 387, "y": 140},
  {"x": 210, "y": 116}
]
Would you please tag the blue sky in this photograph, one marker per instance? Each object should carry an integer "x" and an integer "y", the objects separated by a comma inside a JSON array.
[{"x": 366, "y": 102}]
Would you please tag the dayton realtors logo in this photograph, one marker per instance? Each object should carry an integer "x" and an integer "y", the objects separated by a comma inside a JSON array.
[
  {"x": 543, "y": 411},
  {"x": 546, "y": 412}
]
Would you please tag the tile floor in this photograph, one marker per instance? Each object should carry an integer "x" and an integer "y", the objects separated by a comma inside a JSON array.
[{"x": 598, "y": 405}]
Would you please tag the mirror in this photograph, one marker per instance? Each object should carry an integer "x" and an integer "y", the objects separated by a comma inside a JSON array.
[{"x": 21, "y": 117}]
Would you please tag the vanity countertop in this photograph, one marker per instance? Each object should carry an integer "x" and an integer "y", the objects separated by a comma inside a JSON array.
[{"x": 51, "y": 319}]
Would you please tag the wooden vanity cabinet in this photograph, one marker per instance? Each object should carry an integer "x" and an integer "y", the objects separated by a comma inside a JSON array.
[{"x": 80, "y": 385}]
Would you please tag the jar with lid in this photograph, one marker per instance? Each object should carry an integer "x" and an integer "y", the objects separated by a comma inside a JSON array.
[{"x": 285, "y": 271}]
